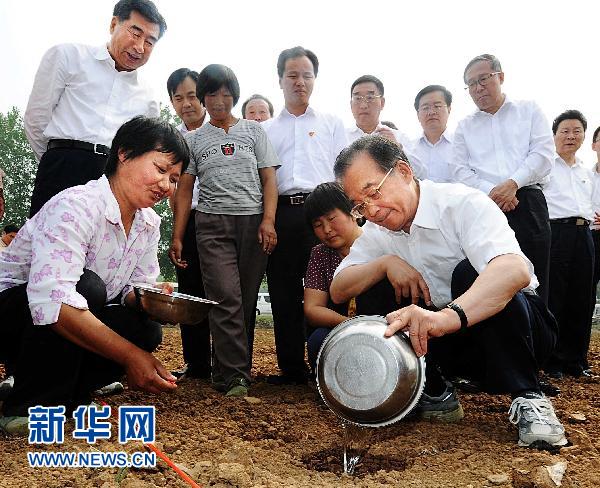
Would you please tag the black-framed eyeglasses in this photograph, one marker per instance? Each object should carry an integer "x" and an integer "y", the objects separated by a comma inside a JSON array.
[
  {"x": 364, "y": 98},
  {"x": 482, "y": 80},
  {"x": 358, "y": 211},
  {"x": 435, "y": 108}
]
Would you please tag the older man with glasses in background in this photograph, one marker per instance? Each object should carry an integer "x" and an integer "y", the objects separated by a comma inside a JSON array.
[{"x": 506, "y": 149}]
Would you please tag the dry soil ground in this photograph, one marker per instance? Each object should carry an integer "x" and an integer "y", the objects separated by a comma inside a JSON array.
[{"x": 286, "y": 437}]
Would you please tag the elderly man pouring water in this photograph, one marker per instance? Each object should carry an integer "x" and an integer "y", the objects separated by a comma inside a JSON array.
[
  {"x": 448, "y": 249},
  {"x": 72, "y": 324}
]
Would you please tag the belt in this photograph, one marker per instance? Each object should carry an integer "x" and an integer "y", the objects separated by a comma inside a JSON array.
[
  {"x": 571, "y": 221},
  {"x": 72, "y": 144},
  {"x": 297, "y": 199}
]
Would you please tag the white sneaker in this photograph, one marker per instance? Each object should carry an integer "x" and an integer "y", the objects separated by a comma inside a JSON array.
[
  {"x": 111, "y": 389},
  {"x": 536, "y": 421}
]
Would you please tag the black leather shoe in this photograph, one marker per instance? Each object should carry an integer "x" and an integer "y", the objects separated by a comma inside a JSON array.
[
  {"x": 190, "y": 371},
  {"x": 549, "y": 389},
  {"x": 555, "y": 375},
  {"x": 284, "y": 379}
]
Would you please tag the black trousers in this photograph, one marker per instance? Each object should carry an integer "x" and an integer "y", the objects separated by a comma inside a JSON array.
[
  {"x": 596, "y": 280},
  {"x": 62, "y": 168},
  {"x": 285, "y": 271},
  {"x": 571, "y": 284},
  {"x": 50, "y": 370},
  {"x": 531, "y": 225},
  {"x": 504, "y": 352},
  {"x": 195, "y": 339}
]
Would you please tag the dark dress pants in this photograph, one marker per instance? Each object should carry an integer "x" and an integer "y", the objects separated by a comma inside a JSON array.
[
  {"x": 62, "y": 168},
  {"x": 285, "y": 271},
  {"x": 531, "y": 225},
  {"x": 571, "y": 277},
  {"x": 50, "y": 370},
  {"x": 195, "y": 339},
  {"x": 504, "y": 352},
  {"x": 596, "y": 239}
]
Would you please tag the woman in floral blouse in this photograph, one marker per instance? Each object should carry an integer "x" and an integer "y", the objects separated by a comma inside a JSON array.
[{"x": 70, "y": 324}]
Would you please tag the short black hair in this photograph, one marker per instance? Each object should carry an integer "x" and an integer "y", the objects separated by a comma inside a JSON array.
[
  {"x": 490, "y": 58},
  {"x": 368, "y": 79},
  {"x": 384, "y": 152},
  {"x": 141, "y": 135},
  {"x": 145, "y": 8},
  {"x": 569, "y": 115},
  {"x": 293, "y": 53},
  {"x": 177, "y": 77},
  {"x": 215, "y": 76},
  {"x": 256, "y": 96},
  {"x": 596, "y": 132},
  {"x": 433, "y": 88},
  {"x": 325, "y": 198},
  {"x": 10, "y": 228}
]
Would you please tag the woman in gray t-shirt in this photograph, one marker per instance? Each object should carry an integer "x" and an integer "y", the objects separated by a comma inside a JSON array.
[{"x": 235, "y": 164}]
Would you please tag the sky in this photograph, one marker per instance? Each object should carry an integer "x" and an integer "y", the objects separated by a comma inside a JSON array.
[{"x": 548, "y": 49}]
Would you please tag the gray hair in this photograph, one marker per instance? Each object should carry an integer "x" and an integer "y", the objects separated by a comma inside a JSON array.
[
  {"x": 490, "y": 58},
  {"x": 384, "y": 152}
]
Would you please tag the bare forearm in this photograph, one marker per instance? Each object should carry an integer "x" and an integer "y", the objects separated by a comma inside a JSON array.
[
  {"x": 494, "y": 287},
  {"x": 319, "y": 316},
  {"x": 83, "y": 329},
  {"x": 355, "y": 280},
  {"x": 181, "y": 211},
  {"x": 270, "y": 193}
]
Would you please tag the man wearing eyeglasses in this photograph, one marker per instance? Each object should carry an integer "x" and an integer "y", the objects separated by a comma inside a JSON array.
[
  {"x": 448, "y": 249},
  {"x": 82, "y": 94},
  {"x": 367, "y": 102},
  {"x": 506, "y": 149},
  {"x": 434, "y": 148}
]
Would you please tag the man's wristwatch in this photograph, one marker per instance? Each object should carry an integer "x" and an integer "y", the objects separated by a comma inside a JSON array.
[{"x": 464, "y": 322}]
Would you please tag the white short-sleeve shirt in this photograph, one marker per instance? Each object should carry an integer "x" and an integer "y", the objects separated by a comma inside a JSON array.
[{"x": 453, "y": 222}]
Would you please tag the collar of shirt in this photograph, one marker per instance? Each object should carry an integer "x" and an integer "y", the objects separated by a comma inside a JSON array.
[
  {"x": 285, "y": 113},
  {"x": 578, "y": 162},
  {"x": 507, "y": 102},
  {"x": 113, "y": 212},
  {"x": 446, "y": 136},
  {"x": 101, "y": 53}
]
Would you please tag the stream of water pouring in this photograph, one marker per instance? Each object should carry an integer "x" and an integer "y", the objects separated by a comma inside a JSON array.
[{"x": 355, "y": 445}]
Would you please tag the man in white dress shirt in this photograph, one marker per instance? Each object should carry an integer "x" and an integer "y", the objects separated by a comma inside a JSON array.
[
  {"x": 569, "y": 197},
  {"x": 307, "y": 143},
  {"x": 195, "y": 339},
  {"x": 367, "y": 102},
  {"x": 434, "y": 148},
  {"x": 505, "y": 149},
  {"x": 449, "y": 249},
  {"x": 81, "y": 96}
]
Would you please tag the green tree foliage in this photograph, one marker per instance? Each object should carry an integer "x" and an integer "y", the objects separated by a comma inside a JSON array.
[
  {"x": 167, "y": 270},
  {"x": 19, "y": 164}
]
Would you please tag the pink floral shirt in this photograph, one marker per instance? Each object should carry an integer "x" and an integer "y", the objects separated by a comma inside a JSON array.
[{"x": 80, "y": 228}]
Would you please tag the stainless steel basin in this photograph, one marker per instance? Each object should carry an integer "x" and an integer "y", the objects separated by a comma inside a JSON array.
[{"x": 366, "y": 378}]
